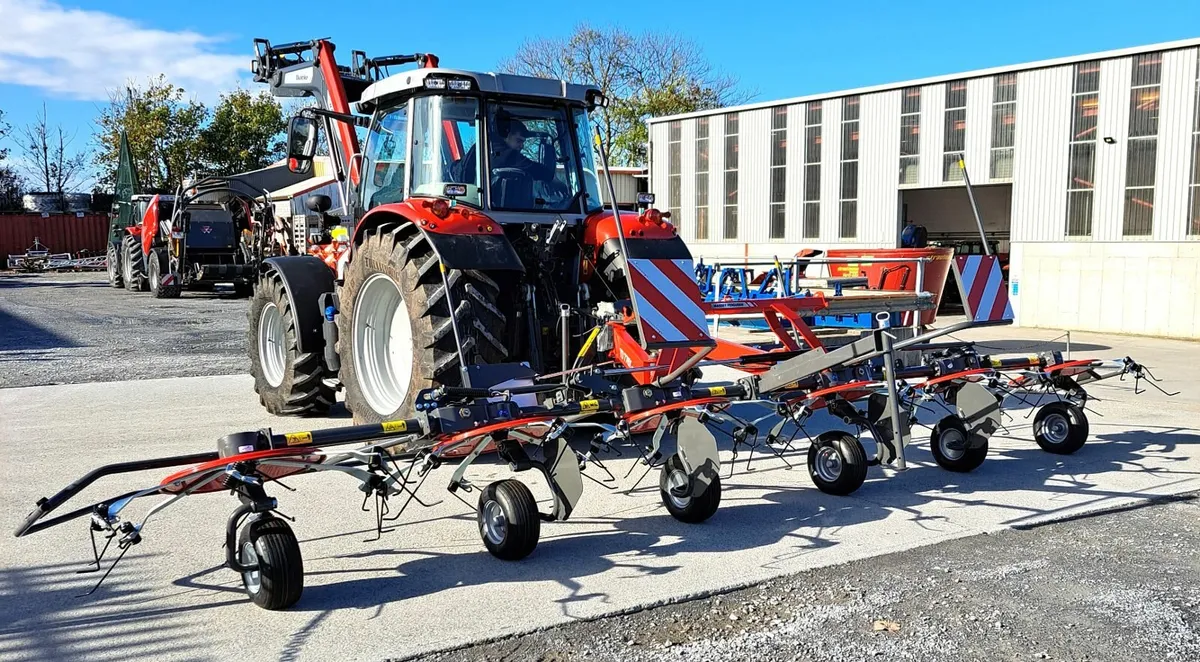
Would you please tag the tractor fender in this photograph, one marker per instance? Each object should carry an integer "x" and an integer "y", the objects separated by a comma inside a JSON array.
[
  {"x": 305, "y": 278},
  {"x": 466, "y": 239}
]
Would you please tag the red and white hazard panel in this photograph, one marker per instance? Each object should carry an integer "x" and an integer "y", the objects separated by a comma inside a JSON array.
[
  {"x": 666, "y": 301},
  {"x": 984, "y": 291}
]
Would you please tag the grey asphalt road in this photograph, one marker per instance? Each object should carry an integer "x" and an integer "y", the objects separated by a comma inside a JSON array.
[{"x": 71, "y": 328}]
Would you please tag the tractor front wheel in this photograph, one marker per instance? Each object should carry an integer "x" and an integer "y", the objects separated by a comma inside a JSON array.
[
  {"x": 289, "y": 382},
  {"x": 134, "y": 264},
  {"x": 116, "y": 277},
  {"x": 398, "y": 325}
]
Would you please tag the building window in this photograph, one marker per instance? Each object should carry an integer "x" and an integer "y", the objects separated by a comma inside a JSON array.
[
  {"x": 674, "y": 179},
  {"x": 1004, "y": 125},
  {"x": 778, "y": 171},
  {"x": 956, "y": 130},
  {"x": 702, "y": 179},
  {"x": 910, "y": 139},
  {"x": 1143, "y": 145},
  {"x": 1081, "y": 168},
  {"x": 812, "y": 171},
  {"x": 731, "y": 176},
  {"x": 1193, "y": 227},
  {"x": 848, "y": 227}
]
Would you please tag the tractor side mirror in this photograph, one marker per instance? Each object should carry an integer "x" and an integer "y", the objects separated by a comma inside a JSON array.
[
  {"x": 302, "y": 144},
  {"x": 318, "y": 203}
]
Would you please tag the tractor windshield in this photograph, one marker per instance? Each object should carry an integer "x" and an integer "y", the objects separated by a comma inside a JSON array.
[
  {"x": 531, "y": 158},
  {"x": 445, "y": 131}
]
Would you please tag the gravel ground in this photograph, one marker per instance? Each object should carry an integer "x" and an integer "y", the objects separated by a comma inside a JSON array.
[
  {"x": 72, "y": 328},
  {"x": 1119, "y": 586}
]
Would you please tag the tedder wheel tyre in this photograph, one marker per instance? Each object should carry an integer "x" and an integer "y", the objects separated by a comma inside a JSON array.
[
  {"x": 115, "y": 276},
  {"x": 688, "y": 508},
  {"x": 837, "y": 463},
  {"x": 509, "y": 522},
  {"x": 288, "y": 382},
  {"x": 1060, "y": 428},
  {"x": 949, "y": 446},
  {"x": 395, "y": 335},
  {"x": 135, "y": 264},
  {"x": 279, "y": 580}
]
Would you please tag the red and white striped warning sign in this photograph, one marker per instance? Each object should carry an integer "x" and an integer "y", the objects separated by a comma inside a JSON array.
[
  {"x": 984, "y": 291},
  {"x": 667, "y": 303}
]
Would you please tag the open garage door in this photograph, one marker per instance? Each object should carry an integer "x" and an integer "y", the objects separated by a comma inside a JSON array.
[{"x": 945, "y": 213}]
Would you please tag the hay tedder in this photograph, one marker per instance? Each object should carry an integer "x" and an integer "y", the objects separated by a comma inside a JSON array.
[{"x": 490, "y": 304}]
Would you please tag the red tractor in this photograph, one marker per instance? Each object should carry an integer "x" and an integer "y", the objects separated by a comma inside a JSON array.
[
  {"x": 478, "y": 235},
  {"x": 199, "y": 237}
]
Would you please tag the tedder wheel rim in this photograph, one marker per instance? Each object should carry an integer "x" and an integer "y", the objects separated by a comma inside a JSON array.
[
  {"x": 494, "y": 523},
  {"x": 252, "y": 579},
  {"x": 828, "y": 464},
  {"x": 272, "y": 345},
  {"x": 383, "y": 345},
  {"x": 677, "y": 481},
  {"x": 1056, "y": 428},
  {"x": 952, "y": 444}
]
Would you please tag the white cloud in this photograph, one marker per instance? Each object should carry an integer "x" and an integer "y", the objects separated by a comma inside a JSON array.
[{"x": 82, "y": 54}]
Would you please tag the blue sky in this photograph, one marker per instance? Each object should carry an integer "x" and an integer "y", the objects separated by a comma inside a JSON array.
[{"x": 777, "y": 49}]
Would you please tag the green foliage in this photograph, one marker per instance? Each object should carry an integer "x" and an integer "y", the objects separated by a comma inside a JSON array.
[
  {"x": 245, "y": 133},
  {"x": 10, "y": 182}
]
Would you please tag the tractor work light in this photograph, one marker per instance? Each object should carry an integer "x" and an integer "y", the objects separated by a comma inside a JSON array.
[
  {"x": 645, "y": 199},
  {"x": 435, "y": 83},
  {"x": 455, "y": 190},
  {"x": 459, "y": 85}
]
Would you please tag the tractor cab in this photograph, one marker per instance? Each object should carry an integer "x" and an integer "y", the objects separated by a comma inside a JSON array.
[{"x": 515, "y": 147}]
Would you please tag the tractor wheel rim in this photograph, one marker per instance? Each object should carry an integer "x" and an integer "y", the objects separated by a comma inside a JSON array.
[
  {"x": 111, "y": 259},
  {"x": 383, "y": 345},
  {"x": 272, "y": 350},
  {"x": 493, "y": 522},
  {"x": 952, "y": 444},
  {"x": 252, "y": 579},
  {"x": 829, "y": 464},
  {"x": 127, "y": 269},
  {"x": 1056, "y": 428},
  {"x": 677, "y": 481}
]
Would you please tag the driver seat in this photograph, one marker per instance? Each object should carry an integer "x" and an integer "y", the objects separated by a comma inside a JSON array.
[{"x": 512, "y": 188}]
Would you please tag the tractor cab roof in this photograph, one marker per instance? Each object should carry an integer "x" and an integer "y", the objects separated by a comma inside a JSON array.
[
  {"x": 150, "y": 196},
  {"x": 509, "y": 85}
]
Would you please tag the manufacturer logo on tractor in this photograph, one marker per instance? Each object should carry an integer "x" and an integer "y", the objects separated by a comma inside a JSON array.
[{"x": 206, "y": 229}]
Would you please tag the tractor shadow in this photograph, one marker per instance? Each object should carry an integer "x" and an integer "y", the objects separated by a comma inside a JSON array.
[{"x": 18, "y": 334}]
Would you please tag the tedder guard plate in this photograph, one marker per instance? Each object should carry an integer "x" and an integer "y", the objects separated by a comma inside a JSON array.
[
  {"x": 666, "y": 299},
  {"x": 980, "y": 410},
  {"x": 697, "y": 447},
  {"x": 564, "y": 473}
]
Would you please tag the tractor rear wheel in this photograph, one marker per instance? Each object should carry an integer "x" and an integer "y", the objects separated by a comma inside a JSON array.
[
  {"x": 288, "y": 382},
  {"x": 135, "y": 265},
  {"x": 396, "y": 334},
  {"x": 157, "y": 269},
  {"x": 115, "y": 276}
]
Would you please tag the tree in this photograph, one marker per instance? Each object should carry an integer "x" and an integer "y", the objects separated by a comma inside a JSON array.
[
  {"x": 246, "y": 133},
  {"x": 50, "y": 163},
  {"x": 164, "y": 134},
  {"x": 642, "y": 74},
  {"x": 10, "y": 180}
]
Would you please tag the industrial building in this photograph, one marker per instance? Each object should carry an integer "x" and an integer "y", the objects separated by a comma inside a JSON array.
[{"x": 1085, "y": 171}]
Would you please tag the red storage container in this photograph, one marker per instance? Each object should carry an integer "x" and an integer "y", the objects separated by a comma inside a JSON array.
[
  {"x": 60, "y": 233},
  {"x": 897, "y": 276}
]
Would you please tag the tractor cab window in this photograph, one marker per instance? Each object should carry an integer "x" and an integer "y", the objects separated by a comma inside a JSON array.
[
  {"x": 585, "y": 137},
  {"x": 386, "y": 154},
  {"x": 445, "y": 133},
  {"x": 531, "y": 159}
]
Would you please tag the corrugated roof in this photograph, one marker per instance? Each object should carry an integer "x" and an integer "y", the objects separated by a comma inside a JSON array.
[{"x": 978, "y": 73}]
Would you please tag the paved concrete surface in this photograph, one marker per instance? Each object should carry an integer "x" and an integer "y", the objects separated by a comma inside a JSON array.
[
  {"x": 430, "y": 584},
  {"x": 72, "y": 328}
]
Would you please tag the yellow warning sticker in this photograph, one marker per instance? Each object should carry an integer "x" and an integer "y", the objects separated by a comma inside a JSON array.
[
  {"x": 298, "y": 438},
  {"x": 716, "y": 390},
  {"x": 589, "y": 405},
  {"x": 395, "y": 426}
]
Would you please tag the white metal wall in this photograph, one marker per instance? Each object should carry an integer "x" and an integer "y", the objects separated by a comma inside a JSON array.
[
  {"x": 933, "y": 133},
  {"x": 979, "y": 129},
  {"x": 754, "y": 175},
  {"x": 1040, "y": 154},
  {"x": 658, "y": 163},
  {"x": 1173, "y": 169},
  {"x": 878, "y": 168},
  {"x": 1110, "y": 159},
  {"x": 794, "y": 196},
  {"x": 716, "y": 178}
]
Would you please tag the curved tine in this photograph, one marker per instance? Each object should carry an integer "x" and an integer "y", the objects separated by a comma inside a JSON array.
[
  {"x": 590, "y": 424},
  {"x": 360, "y": 474},
  {"x": 176, "y": 497}
]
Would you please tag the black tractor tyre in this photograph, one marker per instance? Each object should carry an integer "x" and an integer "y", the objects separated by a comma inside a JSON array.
[
  {"x": 279, "y": 580},
  {"x": 401, "y": 254},
  {"x": 135, "y": 265},
  {"x": 689, "y": 508},
  {"x": 302, "y": 391},
  {"x": 116, "y": 279},
  {"x": 509, "y": 522},
  {"x": 155, "y": 270},
  {"x": 1060, "y": 428},
  {"x": 948, "y": 443},
  {"x": 837, "y": 463}
]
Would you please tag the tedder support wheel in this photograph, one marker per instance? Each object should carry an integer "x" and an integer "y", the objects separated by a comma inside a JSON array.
[
  {"x": 288, "y": 382},
  {"x": 156, "y": 269},
  {"x": 509, "y": 522},
  {"x": 675, "y": 487},
  {"x": 949, "y": 446},
  {"x": 116, "y": 277},
  {"x": 395, "y": 335},
  {"x": 1060, "y": 428},
  {"x": 837, "y": 463},
  {"x": 134, "y": 264},
  {"x": 279, "y": 580}
]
